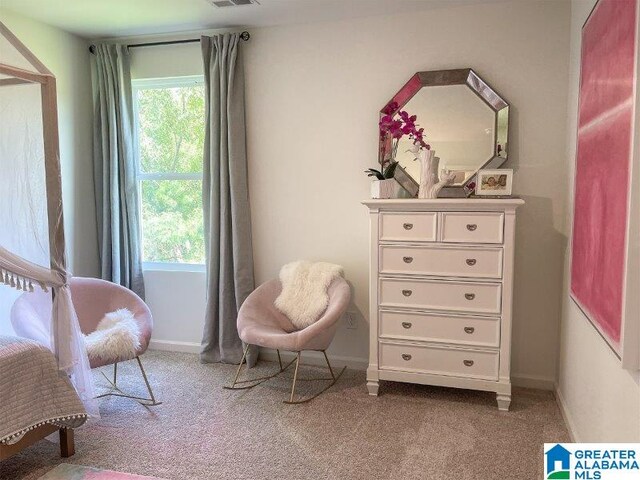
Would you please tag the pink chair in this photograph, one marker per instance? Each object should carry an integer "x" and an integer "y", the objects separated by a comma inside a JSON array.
[
  {"x": 261, "y": 323},
  {"x": 92, "y": 299}
]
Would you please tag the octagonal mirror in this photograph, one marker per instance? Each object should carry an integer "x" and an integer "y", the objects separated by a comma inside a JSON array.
[{"x": 465, "y": 122}]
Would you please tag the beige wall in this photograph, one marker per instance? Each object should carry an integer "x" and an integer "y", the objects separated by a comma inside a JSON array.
[
  {"x": 312, "y": 101},
  {"x": 601, "y": 400},
  {"x": 313, "y": 96},
  {"x": 68, "y": 58}
]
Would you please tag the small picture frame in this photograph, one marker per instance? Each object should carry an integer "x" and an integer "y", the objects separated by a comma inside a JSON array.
[{"x": 495, "y": 183}]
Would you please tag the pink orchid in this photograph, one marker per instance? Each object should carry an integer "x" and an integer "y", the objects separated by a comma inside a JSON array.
[{"x": 393, "y": 126}]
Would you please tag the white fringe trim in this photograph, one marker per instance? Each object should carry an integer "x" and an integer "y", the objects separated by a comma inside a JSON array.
[
  {"x": 19, "y": 282},
  {"x": 57, "y": 421}
]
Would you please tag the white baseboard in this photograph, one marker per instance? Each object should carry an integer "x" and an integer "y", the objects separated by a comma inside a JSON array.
[
  {"x": 355, "y": 363},
  {"x": 568, "y": 421},
  {"x": 172, "y": 346},
  {"x": 308, "y": 358},
  {"x": 533, "y": 381},
  {"x": 317, "y": 359}
]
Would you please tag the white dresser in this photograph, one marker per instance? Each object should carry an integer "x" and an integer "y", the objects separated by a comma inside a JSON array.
[{"x": 441, "y": 292}]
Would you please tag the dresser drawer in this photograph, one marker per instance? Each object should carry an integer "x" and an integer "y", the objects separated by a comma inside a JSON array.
[
  {"x": 439, "y": 360},
  {"x": 439, "y": 261},
  {"x": 466, "y": 227},
  {"x": 408, "y": 227},
  {"x": 440, "y": 328},
  {"x": 441, "y": 295}
]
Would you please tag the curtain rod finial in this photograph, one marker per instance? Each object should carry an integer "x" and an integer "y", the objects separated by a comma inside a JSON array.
[
  {"x": 92, "y": 49},
  {"x": 245, "y": 36}
]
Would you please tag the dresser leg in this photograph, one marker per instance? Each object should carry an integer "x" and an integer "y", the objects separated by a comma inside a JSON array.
[
  {"x": 372, "y": 386},
  {"x": 504, "y": 400}
]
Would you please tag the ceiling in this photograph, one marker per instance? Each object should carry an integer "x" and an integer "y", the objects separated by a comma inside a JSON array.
[{"x": 111, "y": 18}]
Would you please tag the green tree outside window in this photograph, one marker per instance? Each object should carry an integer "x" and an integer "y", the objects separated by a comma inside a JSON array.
[{"x": 170, "y": 122}]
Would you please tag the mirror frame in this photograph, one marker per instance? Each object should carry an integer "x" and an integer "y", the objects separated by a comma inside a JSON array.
[{"x": 439, "y": 78}]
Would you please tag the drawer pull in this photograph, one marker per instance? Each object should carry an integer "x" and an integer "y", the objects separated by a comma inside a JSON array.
[
  {"x": 406, "y": 324},
  {"x": 468, "y": 363},
  {"x": 469, "y": 330},
  {"x": 407, "y": 226},
  {"x": 469, "y": 296},
  {"x": 471, "y": 226},
  {"x": 471, "y": 262},
  {"x": 407, "y": 259},
  {"x": 406, "y": 357},
  {"x": 407, "y": 293}
]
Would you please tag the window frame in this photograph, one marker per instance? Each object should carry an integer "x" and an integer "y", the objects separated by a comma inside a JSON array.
[{"x": 147, "y": 84}]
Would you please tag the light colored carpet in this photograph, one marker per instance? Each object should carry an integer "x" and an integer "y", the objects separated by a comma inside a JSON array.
[{"x": 204, "y": 432}]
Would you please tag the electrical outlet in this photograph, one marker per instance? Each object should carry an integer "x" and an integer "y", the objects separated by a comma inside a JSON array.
[{"x": 350, "y": 319}]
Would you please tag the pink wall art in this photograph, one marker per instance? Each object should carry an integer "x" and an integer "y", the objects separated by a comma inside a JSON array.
[{"x": 603, "y": 164}]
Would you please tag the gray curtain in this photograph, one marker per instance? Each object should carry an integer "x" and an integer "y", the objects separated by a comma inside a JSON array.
[
  {"x": 114, "y": 170},
  {"x": 225, "y": 199}
]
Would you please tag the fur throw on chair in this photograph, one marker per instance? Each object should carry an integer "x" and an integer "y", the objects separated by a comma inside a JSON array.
[
  {"x": 304, "y": 290},
  {"x": 116, "y": 338}
]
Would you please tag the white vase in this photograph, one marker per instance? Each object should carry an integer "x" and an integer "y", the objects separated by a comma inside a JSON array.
[
  {"x": 389, "y": 188},
  {"x": 430, "y": 184}
]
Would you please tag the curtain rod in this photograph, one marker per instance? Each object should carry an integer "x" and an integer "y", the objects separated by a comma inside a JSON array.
[{"x": 243, "y": 36}]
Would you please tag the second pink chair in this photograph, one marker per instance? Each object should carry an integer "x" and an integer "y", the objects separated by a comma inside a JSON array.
[{"x": 92, "y": 299}]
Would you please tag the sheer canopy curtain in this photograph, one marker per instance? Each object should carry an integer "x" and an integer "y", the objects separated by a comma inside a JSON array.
[
  {"x": 225, "y": 198},
  {"x": 114, "y": 169},
  {"x": 32, "y": 247}
]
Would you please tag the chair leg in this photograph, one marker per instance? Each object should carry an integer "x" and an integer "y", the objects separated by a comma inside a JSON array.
[
  {"x": 334, "y": 378},
  {"x": 145, "y": 401},
  {"x": 254, "y": 382},
  {"x": 244, "y": 356},
  {"x": 295, "y": 378},
  {"x": 328, "y": 364},
  {"x": 146, "y": 381},
  {"x": 237, "y": 384}
]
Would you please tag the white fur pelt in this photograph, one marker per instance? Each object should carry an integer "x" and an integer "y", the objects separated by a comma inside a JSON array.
[
  {"x": 304, "y": 290},
  {"x": 116, "y": 338}
]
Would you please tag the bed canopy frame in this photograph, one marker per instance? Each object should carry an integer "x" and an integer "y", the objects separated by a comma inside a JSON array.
[
  {"x": 32, "y": 243},
  {"x": 39, "y": 74}
]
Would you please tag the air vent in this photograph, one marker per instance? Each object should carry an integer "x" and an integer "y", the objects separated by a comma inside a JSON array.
[{"x": 233, "y": 3}]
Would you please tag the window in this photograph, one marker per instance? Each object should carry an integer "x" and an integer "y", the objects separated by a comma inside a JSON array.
[{"x": 169, "y": 120}]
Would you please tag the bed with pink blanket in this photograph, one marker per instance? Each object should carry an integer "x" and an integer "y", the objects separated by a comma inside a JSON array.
[{"x": 35, "y": 399}]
